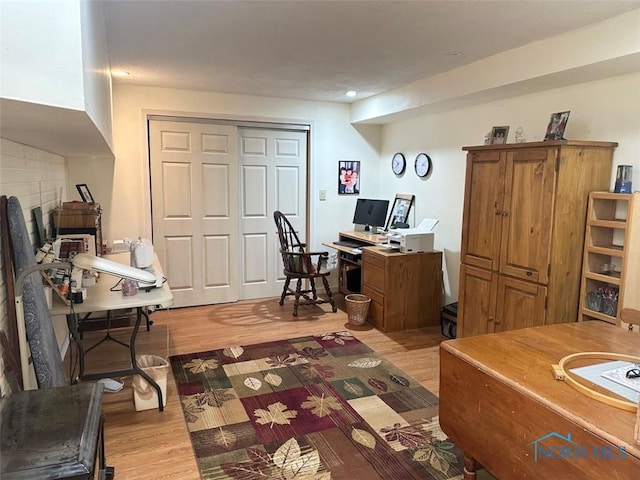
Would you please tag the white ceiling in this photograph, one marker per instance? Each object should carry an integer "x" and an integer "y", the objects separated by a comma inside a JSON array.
[{"x": 317, "y": 50}]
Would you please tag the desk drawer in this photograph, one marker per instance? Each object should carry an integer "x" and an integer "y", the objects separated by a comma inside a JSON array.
[
  {"x": 376, "y": 315},
  {"x": 373, "y": 274},
  {"x": 373, "y": 294}
]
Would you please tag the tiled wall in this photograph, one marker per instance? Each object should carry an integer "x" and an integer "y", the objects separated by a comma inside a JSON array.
[{"x": 37, "y": 178}]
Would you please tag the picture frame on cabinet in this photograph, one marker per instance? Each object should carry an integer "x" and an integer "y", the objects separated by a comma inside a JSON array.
[
  {"x": 85, "y": 194},
  {"x": 557, "y": 125},
  {"x": 349, "y": 177},
  {"x": 499, "y": 135}
]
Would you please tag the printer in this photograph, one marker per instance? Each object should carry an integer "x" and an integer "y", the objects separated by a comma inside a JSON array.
[{"x": 414, "y": 240}]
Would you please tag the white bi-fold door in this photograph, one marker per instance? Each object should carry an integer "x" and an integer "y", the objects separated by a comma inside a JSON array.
[{"x": 214, "y": 188}]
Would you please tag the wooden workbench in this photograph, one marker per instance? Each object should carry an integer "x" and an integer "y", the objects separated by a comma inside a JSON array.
[{"x": 500, "y": 402}]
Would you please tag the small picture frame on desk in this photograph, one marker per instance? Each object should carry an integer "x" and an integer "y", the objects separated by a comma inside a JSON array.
[
  {"x": 400, "y": 211},
  {"x": 84, "y": 192}
]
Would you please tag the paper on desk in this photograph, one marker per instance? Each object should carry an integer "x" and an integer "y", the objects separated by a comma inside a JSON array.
[
  {"x": 594, "y": 373},
  {"x": 427, "y": 225}
]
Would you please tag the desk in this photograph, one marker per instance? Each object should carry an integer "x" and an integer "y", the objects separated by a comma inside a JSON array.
[
  {"x": 405, "y": 289},
  {"x": 348, "y": 261},
  {"x": 53, "y": 433},
  {"x": 101, "y": 298},
  {"x": 499, "y": 397}
]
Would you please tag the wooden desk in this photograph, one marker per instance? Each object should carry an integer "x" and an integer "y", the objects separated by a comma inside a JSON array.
[
  {"x": 498, "y": 397},
  {"x": 101, "y": 298},
  {"x": 349, "y": 262},
  {"x": 405, "y": 289}
]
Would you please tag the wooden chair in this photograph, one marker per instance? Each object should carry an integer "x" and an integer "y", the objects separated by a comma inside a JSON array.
[
  {"x": 630, "y": 316},
  {"x": 301, "y": 265}
]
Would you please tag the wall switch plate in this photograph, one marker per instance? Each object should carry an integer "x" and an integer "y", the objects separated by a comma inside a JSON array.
[{"x": 323, "y": 195}]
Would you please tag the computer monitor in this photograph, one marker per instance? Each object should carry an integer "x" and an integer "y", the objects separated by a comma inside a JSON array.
[{"x": 370, "y": 212}]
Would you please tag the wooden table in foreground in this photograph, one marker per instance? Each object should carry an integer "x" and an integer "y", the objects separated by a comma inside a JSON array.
[{"x": 500, "y": 402}]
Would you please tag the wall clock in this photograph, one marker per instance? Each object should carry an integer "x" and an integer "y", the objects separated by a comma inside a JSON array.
[
  {"x": 423, "y": 165},
  {"x": 398, "y": 163}
]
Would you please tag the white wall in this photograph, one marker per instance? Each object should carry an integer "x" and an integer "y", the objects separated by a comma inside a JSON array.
[
  {"x": 96, "y": 71},
  {"x": 36, "y": 178},
  {"x": 606, "y": 110},
  {"x": 122, "y": 187},
  {"x": 42, "y": 59}
]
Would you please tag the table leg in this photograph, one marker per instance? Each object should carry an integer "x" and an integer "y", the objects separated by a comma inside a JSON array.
[
  {"x": 72, "y": 325},
  {"x": 134, "y": 363},
  {"x": 470, "y": 467}
]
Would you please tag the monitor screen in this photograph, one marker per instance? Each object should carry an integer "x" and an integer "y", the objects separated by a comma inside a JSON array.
[{"x": 372, "y": 213}]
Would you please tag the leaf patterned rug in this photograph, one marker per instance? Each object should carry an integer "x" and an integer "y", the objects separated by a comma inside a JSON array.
[{"x": 310, "y": 408}]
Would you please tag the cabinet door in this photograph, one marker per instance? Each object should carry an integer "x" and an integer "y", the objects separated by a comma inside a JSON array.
[
  {"x": 483, "y": 198},
  {"x": 527, "y": 213},
  {"x": 477, "y": 301},
  {"x": 520, "y": 304}
]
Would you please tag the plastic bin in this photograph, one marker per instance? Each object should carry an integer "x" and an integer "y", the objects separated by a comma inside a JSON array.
[
  {"x": 357, "y": 308},
  {"x": 145, "y": 396}
]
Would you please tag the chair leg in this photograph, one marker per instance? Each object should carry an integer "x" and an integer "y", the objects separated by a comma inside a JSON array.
[
  {"x": 312, "y": 282},
  {"x": 297, "y": 301},
  {"x": 284, "y": 290},
  {"x": 328, "y": 290}
]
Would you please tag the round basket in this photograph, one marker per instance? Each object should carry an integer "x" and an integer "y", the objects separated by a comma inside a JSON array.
[{"x": 357, "y": 308}]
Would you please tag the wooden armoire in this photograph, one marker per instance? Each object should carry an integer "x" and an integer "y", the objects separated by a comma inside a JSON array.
[{"x": 523, "y": 232}]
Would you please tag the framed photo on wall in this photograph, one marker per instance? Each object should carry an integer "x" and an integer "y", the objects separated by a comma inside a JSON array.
[
  {"x": 349, "y": 177},
  {"x": 499, "y": 135},
  {"x": 84, "y": 192}
]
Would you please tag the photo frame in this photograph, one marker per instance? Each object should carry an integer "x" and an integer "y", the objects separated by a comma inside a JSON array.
[
  {"x": 557, "y": 125},
  {"x": 84, "y": 192},
  {"x": 400, "y": 210},
  {"x": 349, "y": 177},
  {"x": 499, "y": 135}
]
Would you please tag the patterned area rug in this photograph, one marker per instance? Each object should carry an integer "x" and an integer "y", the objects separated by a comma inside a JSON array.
[{"x": 314, "y": 408}]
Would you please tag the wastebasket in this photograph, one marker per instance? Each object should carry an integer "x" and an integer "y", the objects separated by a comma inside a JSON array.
[
  {"x": 357, "y": 308},
  {"x": 145, "y": 396}
]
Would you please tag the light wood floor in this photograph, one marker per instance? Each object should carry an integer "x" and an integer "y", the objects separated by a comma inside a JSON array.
[{"x": 155, "y": 445}]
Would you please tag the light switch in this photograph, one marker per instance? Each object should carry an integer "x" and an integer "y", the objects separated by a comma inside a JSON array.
[{"x": 323, "y": 195}]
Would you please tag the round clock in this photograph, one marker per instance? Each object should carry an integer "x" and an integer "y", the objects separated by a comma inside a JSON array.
[
  {"x": 398, "y": 164},
  {"x": 423, "y": 165}
]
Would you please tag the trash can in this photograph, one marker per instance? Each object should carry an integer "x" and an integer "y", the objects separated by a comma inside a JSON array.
[
  {"x": 449, "y": 320},
  {"x": 145, "y": 396},
  {"x": 357, "y": 308}
]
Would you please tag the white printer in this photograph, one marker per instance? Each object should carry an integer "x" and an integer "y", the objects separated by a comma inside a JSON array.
[{"x": 414, "y": 240}]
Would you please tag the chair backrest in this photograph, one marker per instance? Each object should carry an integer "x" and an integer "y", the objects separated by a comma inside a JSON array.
[
  {"x": 288, "y": 237},
  {"x": 630, "y": 316}
]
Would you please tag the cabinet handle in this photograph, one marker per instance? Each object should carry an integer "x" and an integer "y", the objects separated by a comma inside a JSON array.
[
  {"x": 499, "y": 212},
  {"x": 504, "y": 213},
  {"x": 529, "y": 274}
]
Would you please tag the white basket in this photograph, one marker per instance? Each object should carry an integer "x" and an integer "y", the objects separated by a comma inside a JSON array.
[{"x": 145, "y": 395}]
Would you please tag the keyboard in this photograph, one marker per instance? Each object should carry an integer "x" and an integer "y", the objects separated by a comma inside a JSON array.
[{"x": 348, "y": 243}]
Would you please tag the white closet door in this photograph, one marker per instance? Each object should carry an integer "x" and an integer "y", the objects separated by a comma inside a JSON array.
[
  {"x": 273, "y": 176},
  {"x": 194, "y": 178}
]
